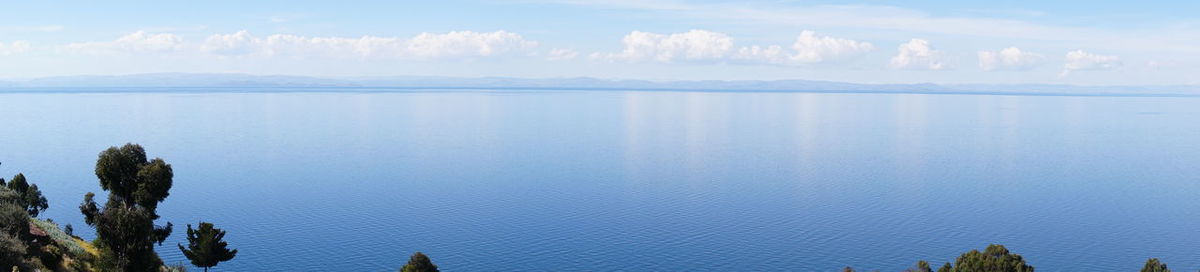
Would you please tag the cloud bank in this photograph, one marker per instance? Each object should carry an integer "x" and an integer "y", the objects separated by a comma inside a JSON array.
[
  {"x": 691, "y": 47},
  {"x": 137, "y": 42},
  {"x": 1011, "y": 58},
  {"x": 917, "y": 54},
  {"x": 457, "y": 44},
  {"x": 13, "y": 48},
  {"x": 709, "y": 46},
  {"x": 694, "y": 45},
  {"x": 1079, "y": 60}
]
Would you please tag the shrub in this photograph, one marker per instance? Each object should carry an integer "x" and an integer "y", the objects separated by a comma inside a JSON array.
[
  {"x": 12, "y": 251},
  {"x": 14, "y": 221}
]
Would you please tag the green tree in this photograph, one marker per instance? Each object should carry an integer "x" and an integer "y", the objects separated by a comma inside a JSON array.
[
  {"x": 125, "y": 230},
  {"x": 129, "y": 177},
  {"x": 1153, "y": 265},
  {"x": 126, "y": 236},
  {"x": 205, "y": 246},
  {"x": 31, "y": 198},
  {"x": 995, "y": 258},
  {"x": 419, "y": 263}
]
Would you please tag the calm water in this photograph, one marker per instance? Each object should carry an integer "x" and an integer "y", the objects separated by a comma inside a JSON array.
[{"x": 660, "y": 181}]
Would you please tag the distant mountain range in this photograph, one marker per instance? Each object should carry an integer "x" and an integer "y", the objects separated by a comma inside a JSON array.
[{"x": 232, "y": 82}]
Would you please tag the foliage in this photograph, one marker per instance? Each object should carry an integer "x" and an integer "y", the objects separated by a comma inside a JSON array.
[
  {"x": 29, "y": 196},
  {"x": 126, "y": 236},
  {"x": 205, "y": 246},
  {"x": 995, "y": 258},
  {"x": 12, "y": 251},
  {"x": 14, "y": 235},
  {"x": 51, "y": 256},
  {"x": 923, "y": 266},
  {"x": 1153, "y": 265},
  {"x": 10, "y": 197},
  {"x": 125, "y": 230},
  {"x": 419, "y": 263},
  {"x": 89, "y": 209},
  {"x": 69, "y": 230},
  {"x": 130, "y": 178},
  {"x": 14, "y": 221}
]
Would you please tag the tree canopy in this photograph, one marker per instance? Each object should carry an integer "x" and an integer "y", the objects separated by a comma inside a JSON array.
[
  {"x": 29, "y": 196},
  {"x": 1153, "y": 265},
  {"x": 127, "y": 236},
  {"x": 125, "y": 230},
  {"x": 129, "y": 177},
  {"x": 206, "y": 247},
  {"x": 419, "y": 263},
  {"x": 995, "y": 258}
]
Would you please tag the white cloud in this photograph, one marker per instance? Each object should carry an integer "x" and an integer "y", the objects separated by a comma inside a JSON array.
[
  {"x": 137, "y": 42},
  {"x": 918, "y": 54},
  {"x": 1011, "y": 58},
  {"x": 1079, "y": 60},
  {"x": 891, "y": 19},
  {"x": 467, "y": 43},
  {"x": 457, "y": 44},
  {"x": 809, "y": 48},
  {"x": 562, "y": 54},
  {"x": 704, "y": 45},
  {"x": 694, "y": 45},
  {"x": 13, "y": 48},
  {"x": 239, "y": 43}
]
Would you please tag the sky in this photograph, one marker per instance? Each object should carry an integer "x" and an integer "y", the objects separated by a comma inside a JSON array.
[{"x": 986, "y": 42}]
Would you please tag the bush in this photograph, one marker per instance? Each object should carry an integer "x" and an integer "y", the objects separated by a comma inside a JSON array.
[
  {"x": 51, "y": 256},
  {"x": 14, "y": 221},
  {"x": 8, "y": 196},
  {"x": 12, "y": 251}
]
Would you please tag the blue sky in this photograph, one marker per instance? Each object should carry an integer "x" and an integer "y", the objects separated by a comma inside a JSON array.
[{"x": 1073, "y": 42}]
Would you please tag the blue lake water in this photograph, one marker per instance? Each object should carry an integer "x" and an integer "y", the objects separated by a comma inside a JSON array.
[{"x": 639, "y": 181}]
